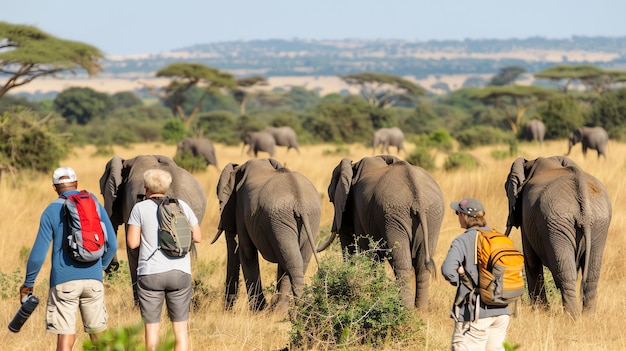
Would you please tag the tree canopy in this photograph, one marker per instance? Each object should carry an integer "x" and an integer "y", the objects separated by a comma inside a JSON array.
[
  {"x": 186, "y": 75},
  {"x": 242, "y": 92},
  {"x": 595, "y": 78},
  {"x": 384, "y": 90},
  {"x": 507, "y": 75},
  {"x": 27, "y": 53}
]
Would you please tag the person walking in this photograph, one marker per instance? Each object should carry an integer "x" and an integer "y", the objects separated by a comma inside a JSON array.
[
  {"x": 476, "y": 327},
  {"x": 160, "y": 277},
  {"x": 73, "y": 284}
]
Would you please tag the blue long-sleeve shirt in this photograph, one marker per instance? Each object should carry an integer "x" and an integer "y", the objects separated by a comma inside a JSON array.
[{"x": 64, "y": 268}]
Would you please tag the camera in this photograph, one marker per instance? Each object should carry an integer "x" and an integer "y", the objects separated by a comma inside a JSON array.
[{"x": 29, "y": 303}]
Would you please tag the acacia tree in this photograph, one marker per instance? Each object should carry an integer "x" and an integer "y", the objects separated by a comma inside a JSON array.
[
  {"x": 513, "y": 100},
  {"x": 594, "y": 78},
  {"x": 384, "y": 90},
  {"x": 27, "y": 53},
  {"x": 507, "y": 75},
  {"x": 243, "y": 91},
  {"x": 186, "y": 75}
]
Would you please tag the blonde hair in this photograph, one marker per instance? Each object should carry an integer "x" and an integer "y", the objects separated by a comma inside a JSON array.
[
  {"x": 476, "y": 220},
  {"x": 157, "y": 181}
]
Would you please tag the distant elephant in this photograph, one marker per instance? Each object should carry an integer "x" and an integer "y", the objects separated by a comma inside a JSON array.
[
  {"x": 122, "y": 186},
  {"x": 269, "y": 209},
  {"x": 594, "y": 138},
  {"x": 199, "y": 147},
  {"x": 535, "y": 130},
  {"x": 388, "y": 137},
  {"x": 564, "y": 215},
  {"x": 284, "y": 136},
  {"x": 259, "y": 141},
  {"x": 395, "y": 203}
]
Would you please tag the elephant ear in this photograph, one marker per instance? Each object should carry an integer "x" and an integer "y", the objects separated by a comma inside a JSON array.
[
  {"x": 513, "y": 187},
  {"x": 225, "y": 190},
  {"x": 339, "y": 189},
  {"x": 275, "y": 163},
  {"x": 109, "y": 185},
  {"x": 566, "y": 161},
  {"x": 389, "y": 159}
]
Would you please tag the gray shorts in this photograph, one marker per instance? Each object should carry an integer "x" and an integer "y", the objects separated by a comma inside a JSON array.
[
  {"x": 173, "y": 287},
  {"x": 65, "y": 298}
]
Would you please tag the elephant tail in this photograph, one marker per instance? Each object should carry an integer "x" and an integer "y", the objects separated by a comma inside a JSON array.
[
  {"x": 327, "y": 243},
  {"x": 585, "y": 216},
  {"x": 428, "y": 259},
  {"x": 309, "y": 233}
]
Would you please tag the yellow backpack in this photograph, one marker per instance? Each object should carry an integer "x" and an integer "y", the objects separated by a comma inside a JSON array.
[{"x": 500, "y": 268}]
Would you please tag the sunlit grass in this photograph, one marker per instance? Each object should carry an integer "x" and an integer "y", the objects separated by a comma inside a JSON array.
[{"x": 213, "y": 329}]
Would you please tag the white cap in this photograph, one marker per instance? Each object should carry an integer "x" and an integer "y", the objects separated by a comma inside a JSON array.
[{"x": 63, "y": 172}]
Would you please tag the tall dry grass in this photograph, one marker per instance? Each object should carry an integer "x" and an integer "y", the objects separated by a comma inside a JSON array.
[{"x": 213, "y": 329}]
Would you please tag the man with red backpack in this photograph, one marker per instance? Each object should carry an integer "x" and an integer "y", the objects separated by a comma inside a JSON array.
[{"x": 73, "y": 283}]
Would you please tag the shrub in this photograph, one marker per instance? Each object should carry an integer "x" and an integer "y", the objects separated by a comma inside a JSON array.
[
  {"x": 174, "y": 131},
  {"x": 421, "y": 157},
  {"x": 460, "y": 160},
  {"x": 482, "y": 135},
  {"x": 351, "y": 303},
  {"x": 439, "y": 139},
  {"x": 190, "y": 162}
]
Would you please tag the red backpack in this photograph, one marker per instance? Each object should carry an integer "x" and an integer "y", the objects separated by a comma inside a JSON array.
[{"x": 85, "y": 237}]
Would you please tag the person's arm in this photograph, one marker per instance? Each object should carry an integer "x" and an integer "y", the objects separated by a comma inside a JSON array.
[
  {"x": 197, "y": 233},
  {"x": 111, "y": 243},
  {"x": 39, "y": 250},
  {"x": 454, "y": 260},
  {"x": 133, "y": 236}
]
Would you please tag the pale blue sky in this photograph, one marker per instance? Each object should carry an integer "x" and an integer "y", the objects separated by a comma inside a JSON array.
[{"x": 122, "y": 27}]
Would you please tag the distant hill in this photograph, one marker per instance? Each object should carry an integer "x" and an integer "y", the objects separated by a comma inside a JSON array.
[{"x": 419, "y": 59}]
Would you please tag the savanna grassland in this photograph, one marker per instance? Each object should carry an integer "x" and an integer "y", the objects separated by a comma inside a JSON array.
[{"x": 213, "y": 329}]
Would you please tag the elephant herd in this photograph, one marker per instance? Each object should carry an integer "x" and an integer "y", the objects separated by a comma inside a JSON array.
[
  {"x": 594, "y": 138},
  {"x": 563, "y": 212}
]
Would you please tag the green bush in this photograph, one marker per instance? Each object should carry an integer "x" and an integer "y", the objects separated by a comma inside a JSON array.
[
  {"x": 174, "y": 131},
  {"x": 351, "y": 303},
  {"x": 481, "y": 136},
  {"x": 190, "y": 162},
  {"x": 421, "y": 157},
  {"x": 439, "y": 139},
  {"x": 460, "y": 160}
]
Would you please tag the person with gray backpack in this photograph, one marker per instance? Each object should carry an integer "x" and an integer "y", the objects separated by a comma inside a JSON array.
[{"x": 163, "y": 229}]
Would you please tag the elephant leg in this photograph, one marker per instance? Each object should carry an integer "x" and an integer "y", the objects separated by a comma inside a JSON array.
[
  {"x": 403, "y": 269},
  {"x": 589, "y": 288},
  {"x": 233, "y": 267},
  {"x": 422, "y": 279},
  {"x": 534, "y": 275},
  {"x": 280, "y": 300},
  {"x": 562, "y": 263},
  {"x": 293, "y": 260},
  {"x": 249, "y": 257}
]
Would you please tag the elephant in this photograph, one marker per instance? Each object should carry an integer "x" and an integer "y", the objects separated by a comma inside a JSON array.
[
  {"x": 284, "y": 136},
  {"x": 535, "y": 130},
  {"x": 394, "y": 203},
  {"x": 199, "y": 147},
  {"x": 259, "y": 141},
  {"x": 267, "y": 208},
  {"x": 122, "y": 186},
  {"x": 388, "y": 137},
  {"x": 564, "y": 214},
  {"x": 594, "y": 138}
]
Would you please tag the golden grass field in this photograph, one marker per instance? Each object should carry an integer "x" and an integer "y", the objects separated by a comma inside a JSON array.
[{"x": 213, "y": 329}]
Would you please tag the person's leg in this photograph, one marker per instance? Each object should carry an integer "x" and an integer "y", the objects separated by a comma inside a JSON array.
[
  {"x": 471, "y": 335},
  {"x": 152, "y": 336},
  {"x": 65, "y": 342},
  {"x": 182, "y": 336},
  {"x": 497, "y": 333}
]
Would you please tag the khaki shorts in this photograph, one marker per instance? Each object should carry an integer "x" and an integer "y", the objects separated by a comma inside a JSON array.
[
  {"x": 65, "y": 298},
  {"x": 173, "y": 286}
]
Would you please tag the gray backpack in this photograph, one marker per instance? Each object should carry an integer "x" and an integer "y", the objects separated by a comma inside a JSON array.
[{"x": 175, "y": 235}]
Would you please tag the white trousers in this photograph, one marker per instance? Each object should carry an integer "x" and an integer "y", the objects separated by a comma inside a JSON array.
[{"x": 485, "y": 334}]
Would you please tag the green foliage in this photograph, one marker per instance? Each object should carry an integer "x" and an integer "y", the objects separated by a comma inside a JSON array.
[
  {"x": 190, "y": 162},
  {"x": 349, "y": 304},
  {"x": 510, "y": 347},
  {"x": 507, "y": 75},
  {"x": 481, "y": 135},
  {"x": 218, "y": 126},
  {"x": 174, "y": 130},
  {"x": 27, "y": 142},
  {"x": 439, "y": 139},
  {"x": 81, "y": 105},
  {"x": 460, "y": 160},
  {"x": 430, "y": 115},
  {"x": 10, "y": 283},
  {"x": 339, "y": 123},
  {"x": 421, "y": 157},
  {"x": 609, "y": 112},
  {"x": 126, "y": 338},
  {"x": 561, "y": 114},
  {"x": 126, "y": 99}
]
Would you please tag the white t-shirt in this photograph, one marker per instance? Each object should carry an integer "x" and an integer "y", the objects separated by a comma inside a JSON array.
[{"x": 152, "y": 260}]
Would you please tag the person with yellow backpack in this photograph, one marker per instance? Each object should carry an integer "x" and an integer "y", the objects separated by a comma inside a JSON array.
[{"x": 488, "y": 273}]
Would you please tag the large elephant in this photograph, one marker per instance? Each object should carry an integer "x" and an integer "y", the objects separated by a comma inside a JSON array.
[
  {"x": 122, "y": 186},
  {"x": 269, "y": 209},
  {"x": 535, "y": 130},
  {"x": 388, "y": 137},
  {"x": 198, "y": 147},
  {"x": 259, "y": 141},
  {"x": 564, "y": 215},
  {"x": 594, "y": 138},
  {"x": 391, "y": 201},
  {"x": 284, "y": 136}
]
